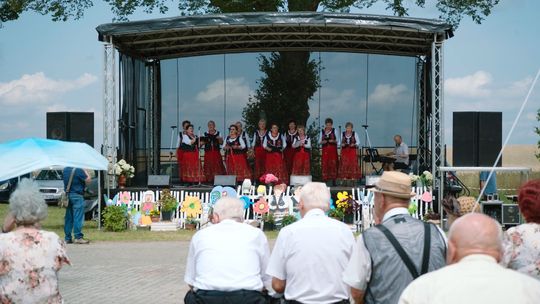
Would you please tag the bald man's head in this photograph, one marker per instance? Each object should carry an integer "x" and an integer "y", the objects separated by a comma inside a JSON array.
[{"x": 474, "y": 233}]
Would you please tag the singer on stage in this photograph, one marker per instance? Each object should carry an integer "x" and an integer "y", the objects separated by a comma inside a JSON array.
[
  {"x": 349, "y": 168},
  {"x": 191, "y": 166},
  {"x": 274, "y": 144},
  {"x": 213, "y": 163},
  {"x": 235, "y": 159},
  {"x": 329, "y": 159}
]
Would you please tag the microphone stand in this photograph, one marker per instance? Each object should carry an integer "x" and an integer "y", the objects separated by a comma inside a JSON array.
[
  {"x": 170, "y": 150},
  {"x": 370, "y": 149},
  {"x": 199, "y": 148}
]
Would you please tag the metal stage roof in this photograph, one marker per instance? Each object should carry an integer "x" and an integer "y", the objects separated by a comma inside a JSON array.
[{"x": 264, "y": 32}]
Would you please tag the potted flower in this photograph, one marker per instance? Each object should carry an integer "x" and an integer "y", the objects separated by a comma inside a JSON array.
[
  {"x": 424, "y": 179},
  {"x": 191, "y": 223},
  {"x": 269, "y": 222},
  {"x": 168, "y": 204},
  {"x": 336, "y": 213},
  {"x": 347, "y": 206},
  {"x": 287, "y": 220},
  {"x": 269, "y": 179},
  {"x": 124, "y": 171},
  {"x": 154, "y": 215}
]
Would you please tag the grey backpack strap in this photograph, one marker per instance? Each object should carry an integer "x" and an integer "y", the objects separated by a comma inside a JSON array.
[
  {"x": 427, "y": 247},
  {"x": 70, "y": 179}
]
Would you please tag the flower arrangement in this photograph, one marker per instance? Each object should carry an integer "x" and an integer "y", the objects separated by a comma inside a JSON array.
[
  {"x": 154, "y": 212},
  {"x": 336, "y": 213},
  {"x": 346, "y": 204},
  {"x": 167, "y": 201},
  {"x": 122, "y": 168},
  {"x": 426, "y": 179},
  {"x": 268, "y": 179}
]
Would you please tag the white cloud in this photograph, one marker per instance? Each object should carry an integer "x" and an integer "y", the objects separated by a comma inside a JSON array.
[
  {"x": 475, "y": 85},
  {"x": 387, "y": 93},
  {"x": 38, "y": 88},
  {"x": 238, "y": 92}
]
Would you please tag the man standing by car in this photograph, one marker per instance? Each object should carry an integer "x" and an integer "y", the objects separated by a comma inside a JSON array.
[{"x": 74, "y": 218}]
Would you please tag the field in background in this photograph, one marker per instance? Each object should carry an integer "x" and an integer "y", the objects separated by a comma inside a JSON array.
[{"x": 513, "y": 156}]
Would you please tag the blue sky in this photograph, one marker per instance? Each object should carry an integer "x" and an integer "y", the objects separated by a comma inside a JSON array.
[{"x": 57, "y": 66}]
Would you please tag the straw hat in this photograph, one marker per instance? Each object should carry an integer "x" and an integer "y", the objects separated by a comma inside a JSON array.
[{"x": 394, "y": 183}]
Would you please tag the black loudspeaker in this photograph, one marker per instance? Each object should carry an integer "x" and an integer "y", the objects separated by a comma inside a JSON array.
[
  {"x": 477, "y": 138},
  {"x": 300, "y": 180},
  {"x": 158, "y": 181},
  {"x": 492, "y": 209},
  {"x": 225, "y": 180},
  {"x": 71, "y": 126},
  {"x": 510, "y": 214}
]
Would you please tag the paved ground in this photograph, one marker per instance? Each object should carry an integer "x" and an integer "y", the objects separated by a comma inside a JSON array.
[{"x": 125, "y": 272}]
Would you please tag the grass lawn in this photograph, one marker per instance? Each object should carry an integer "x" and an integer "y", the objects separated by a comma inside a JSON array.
[{"x": 55, "y": 223}]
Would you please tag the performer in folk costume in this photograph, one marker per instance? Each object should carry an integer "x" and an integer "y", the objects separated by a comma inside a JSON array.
[
  {"x": 235, "y": 160},
  {"x": 245, "y": 137},
  {"x": 213, "y": 163},
  {"x": 329, "y": 159},
  {"x": 179, "y": 150},
  {"x": 274, "y": 144},
  {"x": 288, "y": 153},
  {"x": 348, "y": 166},
  {"x": 302, "y": 147},
  {"x": 258, "y": 149},
  {"x": 191, "y": 166}
]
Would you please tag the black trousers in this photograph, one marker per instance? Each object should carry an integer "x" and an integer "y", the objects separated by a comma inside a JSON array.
[
  {"x": 224, "y": 297},
  {"x": 400, "y": 165}
]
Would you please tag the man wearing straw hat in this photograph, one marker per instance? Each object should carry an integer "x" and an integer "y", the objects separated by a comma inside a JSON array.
[{"x": 387, "y": 257}]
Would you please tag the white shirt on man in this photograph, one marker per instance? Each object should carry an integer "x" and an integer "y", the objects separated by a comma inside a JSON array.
[
  {"x": 476, "y": 278},
  {"x": 310, "y": 255},
  {"x": 358, "y": 270},
  {"x": 228, "y": 256}
]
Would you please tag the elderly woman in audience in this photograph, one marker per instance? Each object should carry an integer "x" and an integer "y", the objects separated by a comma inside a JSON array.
[
  {"x": 30, "y": 258},
  {"x": 522, "y": 243}
]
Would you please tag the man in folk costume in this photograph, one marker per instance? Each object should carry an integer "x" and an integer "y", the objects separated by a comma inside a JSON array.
[
  {"x": 234, "y": 159},
  {"x": 213, "y": 162},
  {"x": 258, "y": 149},
  {"x": 191, "y": 165},
  {"x": 329, "y": 159},
  {"x": 274, "y": 144},
  {"x": 288, "y": 153},
  {"x": 348, "y": 165},
  {"x": 302, "y": 155}
]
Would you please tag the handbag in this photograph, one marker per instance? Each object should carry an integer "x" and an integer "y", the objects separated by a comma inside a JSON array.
[{"x": 63, "y": 202}]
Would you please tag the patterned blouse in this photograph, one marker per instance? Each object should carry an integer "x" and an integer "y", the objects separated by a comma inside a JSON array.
[
  {"x": 522, "y": 249},
  {"x": 29, "y": 262}
]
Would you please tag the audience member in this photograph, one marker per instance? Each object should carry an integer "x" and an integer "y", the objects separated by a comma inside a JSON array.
[
  {"x": 227, "y": 260},
  {"x": 310, "y": 255},
  {"x": 75, "y": 179},
  {"x": 522, "y": 243},
  {"x": 30, "y": 258},
  {"x": 491, "y": 184},
  {"x": 390, "y": 255},
  {"x": 473, "y": 274}
]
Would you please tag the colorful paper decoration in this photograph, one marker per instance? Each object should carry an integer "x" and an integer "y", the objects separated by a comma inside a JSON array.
[
  {"x": 125, "y": 197},
  {"x": 427, "y": 197},
  {"x": 191, "y": 206},
  {"x": 246, "y": 201},
  {"x": 261, "y": 206}
]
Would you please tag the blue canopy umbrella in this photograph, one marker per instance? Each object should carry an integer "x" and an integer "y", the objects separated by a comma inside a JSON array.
[{"x": 23, "y": 156}]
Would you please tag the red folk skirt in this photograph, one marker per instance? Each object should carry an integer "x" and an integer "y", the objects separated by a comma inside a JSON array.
[
  {"x": 348, "y": 166},
  {"x": 275, "y": 165},
  {"x": 329, "y": 162},
  {"x": 260, "y": 162},
  {"x": 237, "y": 165},
  {"x": 288, "y": 156},
  {"x": 179, "y": 154},
  {"x": 301, "y": 163},
  {"x": 191, "y": 167},
  {"x": 213, "y": 165}
]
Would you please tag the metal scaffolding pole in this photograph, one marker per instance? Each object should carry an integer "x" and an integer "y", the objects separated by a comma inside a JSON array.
[
  {"x": 437, "y": 110},
  {"x": 110, "y": 128}
]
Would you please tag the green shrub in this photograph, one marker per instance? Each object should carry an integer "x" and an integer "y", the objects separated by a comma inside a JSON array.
[
  {"x": 287, "y": 220},
  {"x": 114, "y": 218}
]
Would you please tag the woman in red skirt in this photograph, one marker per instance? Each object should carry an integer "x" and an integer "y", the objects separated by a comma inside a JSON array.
[
  {"x": 329, "y": 158},
  {"x": 213, "y": 163},
  {"x": 274, "y": 144},
  {"x": 258, "y": 149},
  {"x": 348, "y": 166},
  {"x": 302, "y": 146},
  {"x": 179, "y": 151},
  {"x": 235, "y": 160},
  {"x": 191, "y": 166},
  {"x": 288, "y": 153}
]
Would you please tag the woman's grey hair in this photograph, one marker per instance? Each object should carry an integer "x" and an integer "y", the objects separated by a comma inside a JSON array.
[
  {"x": 229, "y": 208},
  {"x": 315, "y": 195},
  {"x": 26, "y": 203}
]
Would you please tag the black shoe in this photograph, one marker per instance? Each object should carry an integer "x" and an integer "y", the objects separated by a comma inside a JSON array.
[{"x": 68, "y": 241}]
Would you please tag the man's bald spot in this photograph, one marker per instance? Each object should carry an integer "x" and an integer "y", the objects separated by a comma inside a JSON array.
[{"x": 476, "y": 233}]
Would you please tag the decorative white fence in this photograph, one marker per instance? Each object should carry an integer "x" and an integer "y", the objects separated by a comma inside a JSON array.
[{"x": 363, "y": 218}]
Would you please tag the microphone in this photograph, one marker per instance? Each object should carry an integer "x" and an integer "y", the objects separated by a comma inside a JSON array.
[
  {"x": 364, "y": 126},
  {"x": 199, "y": 128},
  {"x": 173, "y": 127}
]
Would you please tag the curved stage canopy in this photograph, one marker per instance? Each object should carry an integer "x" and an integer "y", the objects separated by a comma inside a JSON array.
[
  {"x": 142, "y": 44},
  {"x": 260, "y": 32}
]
